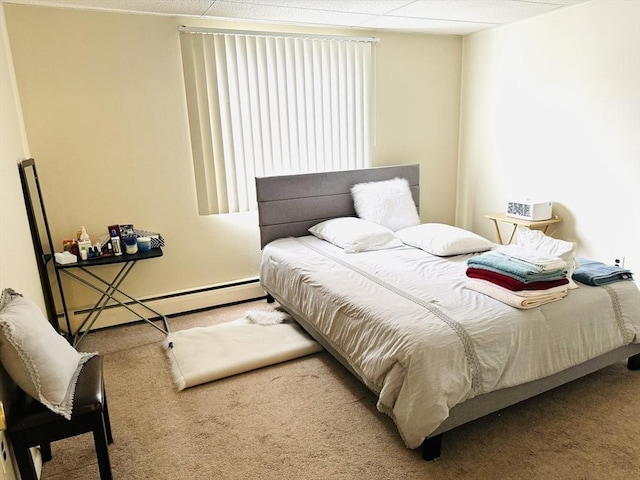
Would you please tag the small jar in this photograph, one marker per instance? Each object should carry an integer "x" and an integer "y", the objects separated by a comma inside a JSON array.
[
  {"x": 144, "y": 244},
  {"x": 130, "y": 245}
]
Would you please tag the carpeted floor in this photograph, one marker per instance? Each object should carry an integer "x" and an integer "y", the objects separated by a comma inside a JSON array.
[{"x": 310, "y": 419}]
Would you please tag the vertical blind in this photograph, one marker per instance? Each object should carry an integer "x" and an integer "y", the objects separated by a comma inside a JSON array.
[{"x": 271, "y": 105}]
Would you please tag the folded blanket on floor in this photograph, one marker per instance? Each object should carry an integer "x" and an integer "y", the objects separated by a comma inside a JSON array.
[
  {"x": 538, "y": 260},
  {"x": 511, "y": 283},
  {"x": 513, "y": 267},
  {"x": 595, "y": 273},
  {"x": 510, "y": 298}
]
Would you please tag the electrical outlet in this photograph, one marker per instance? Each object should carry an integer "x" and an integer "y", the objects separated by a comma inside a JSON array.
[
  {"x": 7, "y": 471},
  {"x": 619, "y": 262},
  {"x": 4, "y": 454}
]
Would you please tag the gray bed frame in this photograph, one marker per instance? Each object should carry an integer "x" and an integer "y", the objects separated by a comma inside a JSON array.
[{"x": 288, "y": 205}]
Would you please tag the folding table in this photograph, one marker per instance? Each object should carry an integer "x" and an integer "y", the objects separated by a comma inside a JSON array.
[{"x": 108, "y": 288}]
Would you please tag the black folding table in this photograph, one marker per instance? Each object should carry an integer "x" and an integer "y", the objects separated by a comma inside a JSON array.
[{"x": 108, "y": 288}]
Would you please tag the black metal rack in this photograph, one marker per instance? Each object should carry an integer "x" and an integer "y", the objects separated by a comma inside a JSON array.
[{"x": 43, "y": 245}]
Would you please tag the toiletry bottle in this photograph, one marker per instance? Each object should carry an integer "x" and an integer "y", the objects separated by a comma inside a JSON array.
[
  {"x": 84, "y": 243},
  {"x": 115, "y": 242},
  {"x": 84, "y": 236}
]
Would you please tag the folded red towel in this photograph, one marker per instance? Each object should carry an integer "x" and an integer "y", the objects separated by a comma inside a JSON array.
[{"x": 511, "y": 283}]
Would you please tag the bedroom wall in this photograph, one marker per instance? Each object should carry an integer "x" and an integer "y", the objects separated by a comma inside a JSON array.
[
  {"x": 18, "y": 268},
  {"x": 551, "y": 110},
  {"x": 105, "y": 114}
]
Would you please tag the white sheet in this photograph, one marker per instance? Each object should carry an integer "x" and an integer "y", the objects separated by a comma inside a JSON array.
[
  {"x": 423, "y": 342},
  {"x": 204, "y": 354}
]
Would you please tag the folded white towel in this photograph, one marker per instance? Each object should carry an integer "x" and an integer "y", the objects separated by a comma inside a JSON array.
[
  {"x": 511, "y": 298},
  {"x": 544, "y": 261},
  {"x": 535, "y": 293}
]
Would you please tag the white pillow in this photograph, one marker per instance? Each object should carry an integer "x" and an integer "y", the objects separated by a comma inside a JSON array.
[
  {"x": 355, "y": 235},
  {"x": 387, "y": 203},
  {"x": 537, "y": 240},
  {"x": 444, "y": 240},
  {"x": 35, "y": 356}
]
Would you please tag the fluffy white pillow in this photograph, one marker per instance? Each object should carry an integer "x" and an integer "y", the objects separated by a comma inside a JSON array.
[
  {"x": 387, "y": 203},
  {"x": 355, "y": 235},
  {"x": 537, "y": 240},
  {"x": 35, "y": 356},
  {"x": 444, "y": 240}
]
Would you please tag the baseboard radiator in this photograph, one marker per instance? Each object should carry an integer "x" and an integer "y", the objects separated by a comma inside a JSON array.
[{"x": 174, "y": 303}]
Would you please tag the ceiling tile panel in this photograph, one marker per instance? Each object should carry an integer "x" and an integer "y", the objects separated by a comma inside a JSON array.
[
  {"x": 479, "y": 11},
  {"x": 278, "y": 14},
  {"x": 164, "y": 7},
  {"x": 437, "y": 27},
  {"x": 373, "y": 7}
]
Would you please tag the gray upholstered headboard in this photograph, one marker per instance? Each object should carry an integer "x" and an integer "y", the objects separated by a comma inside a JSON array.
[{"x": 289, "y": 204}]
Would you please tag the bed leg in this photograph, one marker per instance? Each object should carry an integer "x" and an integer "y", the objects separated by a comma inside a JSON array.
[
  {"x": 270, "y": 299},
  {"x": 431, "y": 447},
  {"x": 633, "y": 363}
]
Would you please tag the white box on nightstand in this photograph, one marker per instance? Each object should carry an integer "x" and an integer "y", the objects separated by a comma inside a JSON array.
[{"x": 529, "y": 210}]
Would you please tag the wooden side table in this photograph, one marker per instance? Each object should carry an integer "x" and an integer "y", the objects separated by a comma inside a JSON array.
[{"x": 537, "y": 225}]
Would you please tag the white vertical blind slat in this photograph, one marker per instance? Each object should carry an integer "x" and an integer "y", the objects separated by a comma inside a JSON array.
[
  {"x": 283, "y": 108},
  {"x": 274, "y": 102},
  {"x": 242, "y": 128}
]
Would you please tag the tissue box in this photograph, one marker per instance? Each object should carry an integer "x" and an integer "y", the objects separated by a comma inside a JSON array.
[{"x": 65, "y": 257}]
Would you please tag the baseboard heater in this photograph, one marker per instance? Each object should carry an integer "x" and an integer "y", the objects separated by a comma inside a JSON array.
[{"x": 178, "y": 303}]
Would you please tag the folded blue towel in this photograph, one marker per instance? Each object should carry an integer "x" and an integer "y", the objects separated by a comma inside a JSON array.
[
  {"x": 595, "y": 273},
  {"x": 521, "y": 270}
]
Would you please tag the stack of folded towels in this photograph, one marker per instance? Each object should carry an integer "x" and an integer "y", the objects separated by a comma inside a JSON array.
[{"x": 517, "y": 276}]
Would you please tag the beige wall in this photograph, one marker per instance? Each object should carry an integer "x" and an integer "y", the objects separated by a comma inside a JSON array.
[
  {"x": 551, "y": 110},
  {"x": 418, "y": 84},
  {"x": 105, "y": 114},
  {"x": 18, "y": 268}
]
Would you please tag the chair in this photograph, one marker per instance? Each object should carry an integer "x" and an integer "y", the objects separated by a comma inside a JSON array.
[{"x": 32, "y": 424}]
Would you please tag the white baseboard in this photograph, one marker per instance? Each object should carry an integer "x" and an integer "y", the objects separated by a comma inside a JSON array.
[{"x": 174, "y": 303}]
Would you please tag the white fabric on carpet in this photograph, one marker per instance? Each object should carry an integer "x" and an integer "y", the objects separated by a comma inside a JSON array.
[
  {"x": 204, "y": 354},
  {"x": 267, "y": 317}
]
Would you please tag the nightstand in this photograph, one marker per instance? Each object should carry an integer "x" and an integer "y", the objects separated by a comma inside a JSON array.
[{"x": 515, "y": 222}]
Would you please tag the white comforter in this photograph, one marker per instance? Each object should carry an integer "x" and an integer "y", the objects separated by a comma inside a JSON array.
[{"x": 424, "y": 343}]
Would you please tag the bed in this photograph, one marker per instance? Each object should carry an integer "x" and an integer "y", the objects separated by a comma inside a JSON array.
[{"x": 436, "y": 354}]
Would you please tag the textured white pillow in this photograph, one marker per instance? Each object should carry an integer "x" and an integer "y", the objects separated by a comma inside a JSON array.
[
  {"x": 444, "y": 240},
  {"x": 355, "y": 235},
  {"x": 35, "y": 356},
  {"x": 387, "y": 203},
  {"x": 537, "y": 240}
]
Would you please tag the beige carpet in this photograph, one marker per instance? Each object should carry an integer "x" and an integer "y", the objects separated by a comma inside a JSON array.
[{"x": 310, "y": 419}]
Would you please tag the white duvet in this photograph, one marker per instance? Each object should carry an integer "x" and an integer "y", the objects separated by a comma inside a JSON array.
[{"x": 424, "y": 343}]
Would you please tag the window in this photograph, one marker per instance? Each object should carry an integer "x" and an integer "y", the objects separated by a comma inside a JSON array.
[{"x": 269, "y": 105}]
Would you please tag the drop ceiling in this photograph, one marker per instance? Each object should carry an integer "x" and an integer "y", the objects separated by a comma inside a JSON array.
[{"x": 444, "y": 17}]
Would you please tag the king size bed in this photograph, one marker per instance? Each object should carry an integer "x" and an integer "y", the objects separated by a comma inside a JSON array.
[{"x": 436, "y": 353}]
